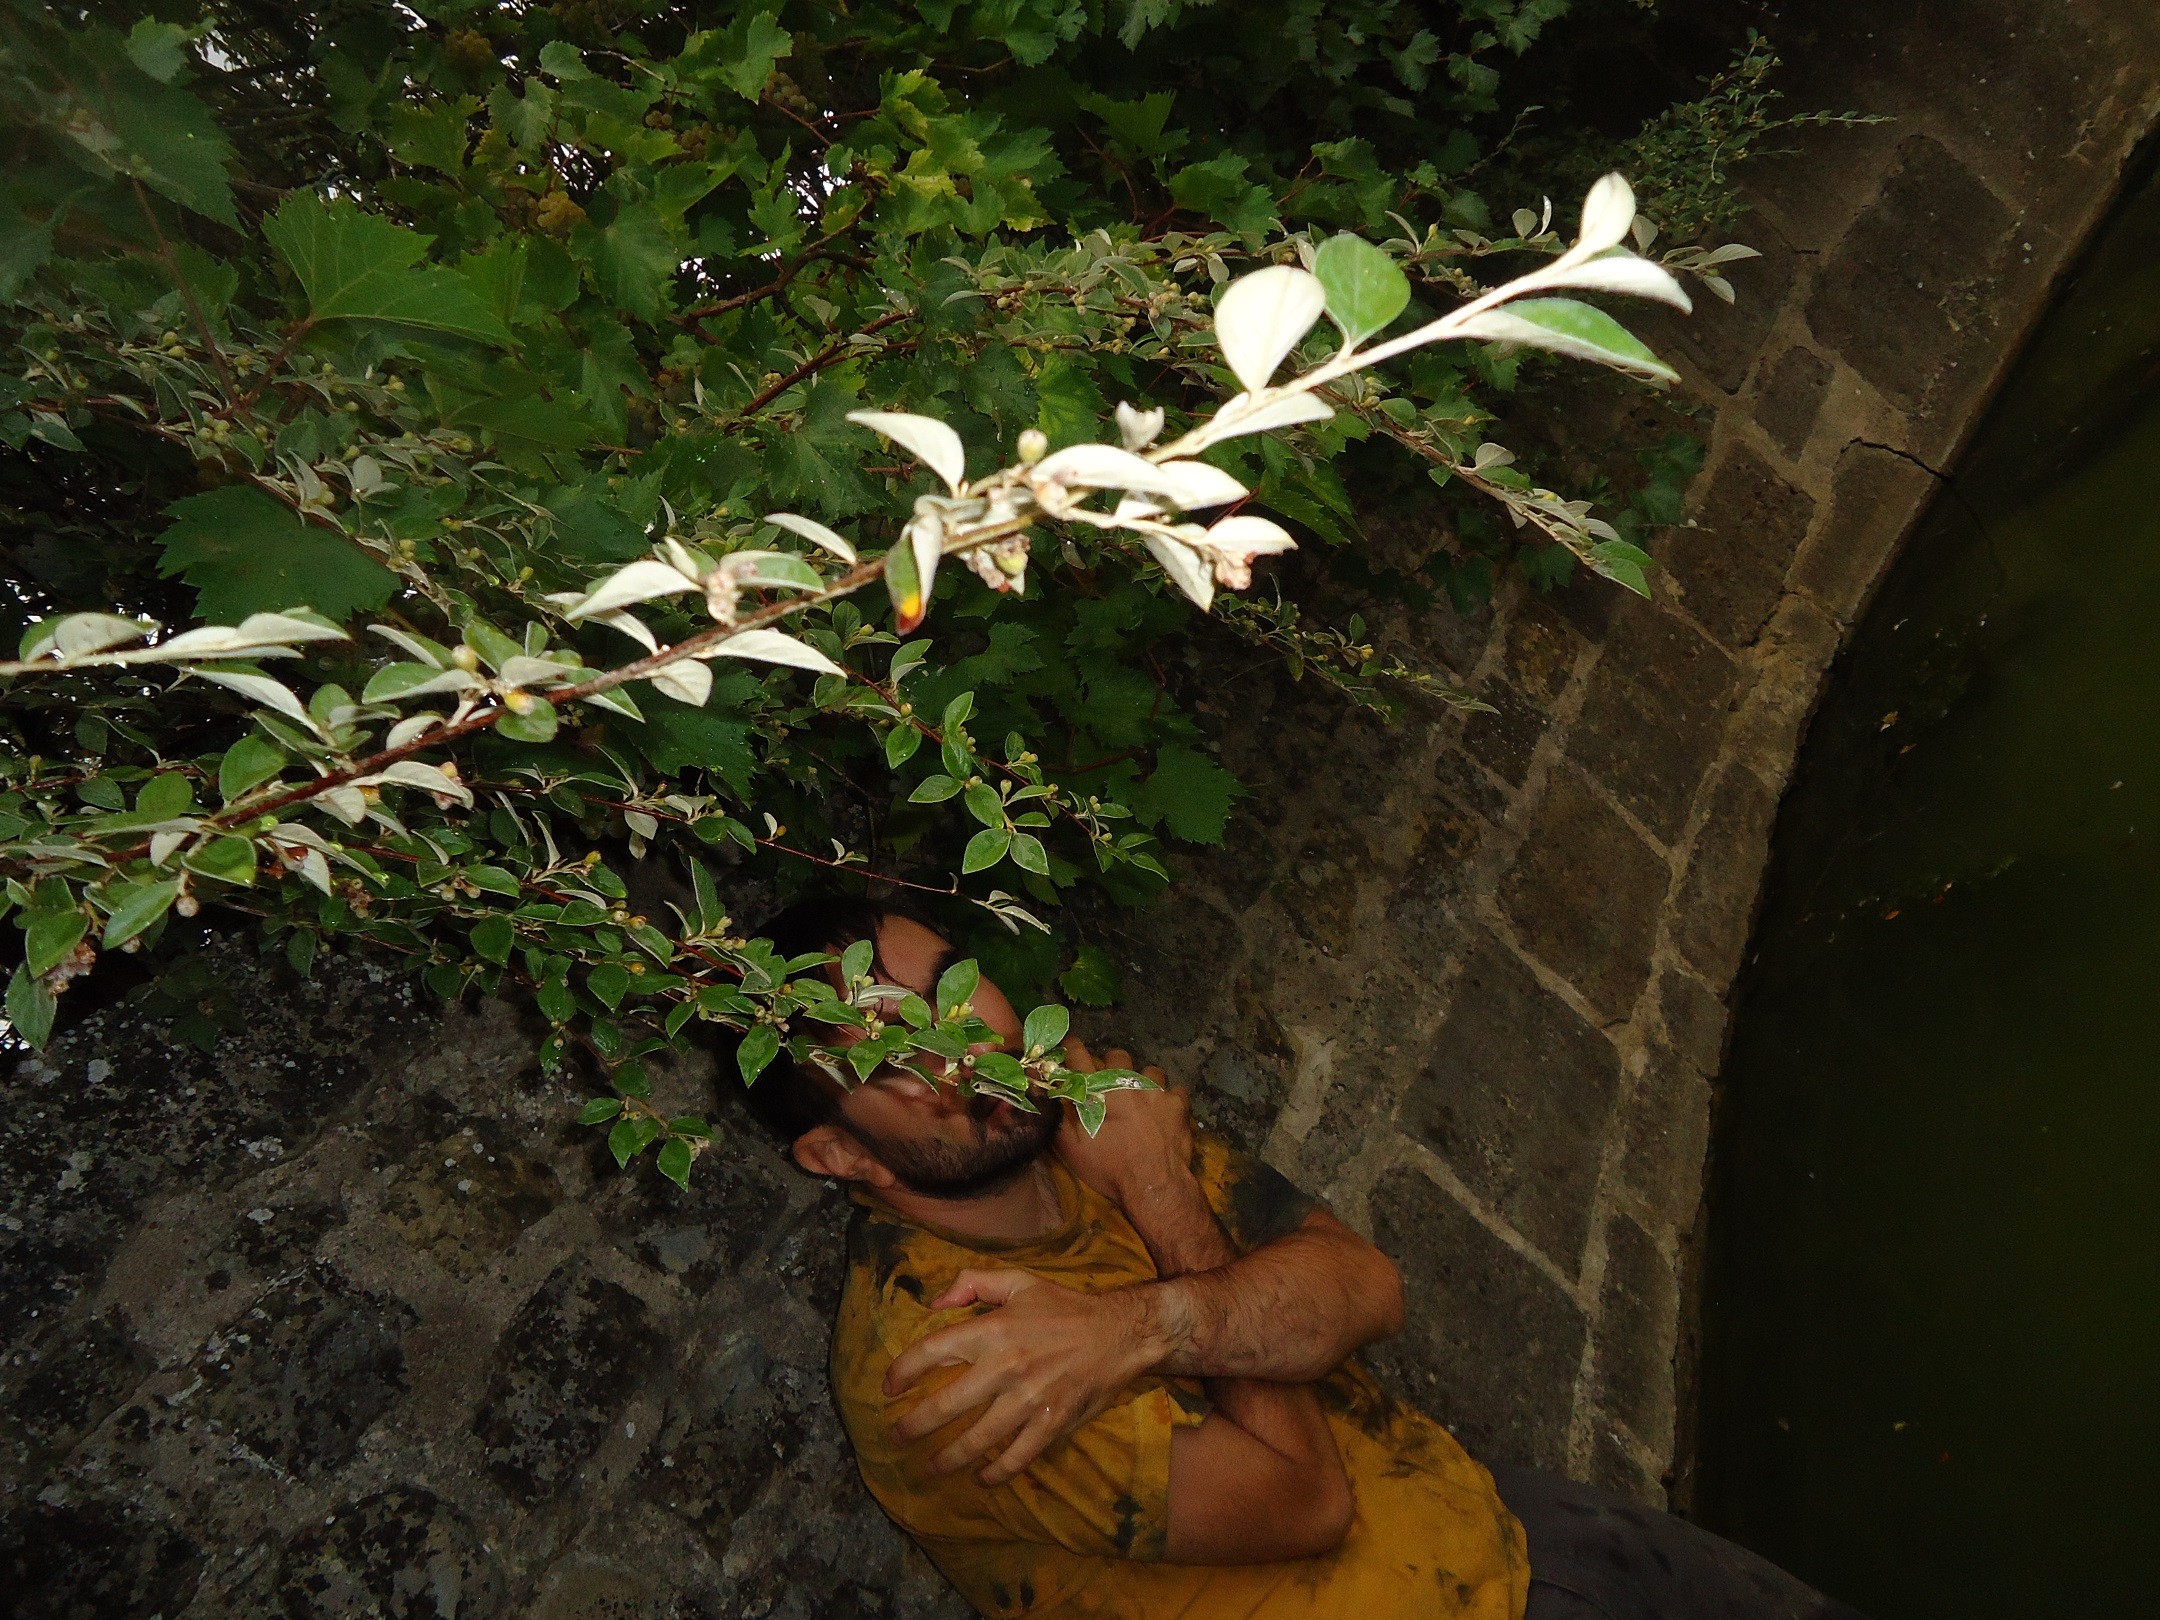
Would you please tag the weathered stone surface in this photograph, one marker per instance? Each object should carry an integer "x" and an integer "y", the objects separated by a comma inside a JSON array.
[
  {"x": 462, "y": 1197},
  {"x": 1634, "y": 1361},
  {"x": 1912, "y": 281},
  {"x": 567, "y": 1362},
  {"x": 1692, "y": 1018},
  {"x": 1723, "y": 351},
  {"x": 1502, "y": 740},
  {"x": 1731, "y": 567},
  {"x": 1493, "y": 1344},
  {"x": 1878, "y": 494},
  {"x": 1665, "y": 1125},
  {"x": 1791, "y": 398},
  {"x": 1716, "y": 905},
  {"x": 59, "y": 1389},
  {"x": 401, "y": 1554},
  {"x": 94, "y": 1558},
  {"x": 1655, "y": 715},
  {"x": 1515, "y": 1094},
  {"x": 1585, "y": 893}
]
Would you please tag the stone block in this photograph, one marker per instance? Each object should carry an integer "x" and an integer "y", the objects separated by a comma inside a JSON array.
[
  {"x": 1540, "y": 650},
  {"x": 1503, "y": 739},
  {"x": 1907, "y": 294},
  {"x": 706, "y": 1233},
  {"x": 1659, "y": 700},
  {"x": 1731, "y": 566},
  {"x": 59, "y": 1388},
  {"x": 1492, "y": 1344},
  {"x": 78, "y": 1560},
  {"x": 1634, "y": 1339},
  {"x": 1515, "y": 1093},
  {"x": 727, "y": 1431},
  {"x": 402, "y": 1551},
  {"x": 1714, "y": 910},
  {"x": 307, "y": 1370},
  {"x": 1877, "y": 497},
  {"x": 1614, "y": 1467},
  {"x": 1693, "y": 1020},
  {"x": 573, "y": 1353},
  {"x": 464, "y": 1195},
  {"x": 1720, "y": 341},
  {"x": 1665, "y": 1124},
  {"x": 1584, "y": 895},
  {"x": 1791, "y": 398}
]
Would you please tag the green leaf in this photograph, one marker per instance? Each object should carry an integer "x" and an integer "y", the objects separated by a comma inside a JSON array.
[
  {"x": 30, "y": 1007},
  {"x": 1189, "y": 793},
  {"x": 856, "y": 959},
  {"x": 1365, "y": 288},
  {"x": 494, "y": 879},
  {"x": 361, "y": 267},
  {"x": 246, "y": 553},
  {"x": 139, "y": 906},
  {"x": 1029, "y": 855},
  {"x": 1091, "y": 1111},
  {"x": 674, "y": 1160},
  {"x": 956, "y": 985},
  {"x": 633, "y": 260},
  {"x": 1623, "y": 563},
  {"x": 1092, "y": 980},
  {"x": 555, "y": 1001},
  {"x": 985, "y": 849},
  {"x": 900, "y": 745},
  {"x": 758, "y": 1048},
  {"x": 229, "y": 860},
  {"x": 741, "y": 56},
  {"x": 535, "y": 725},
  {"x": 248, "y": 764},
  {"x": 1570, "y": 327},
  {"x": 934, "y": 790},
  {"x": 492, "y": 938},
  {"x": 629, "y": 1078},
  {"x": 610, "y": 982},
  {"x": 984, "y": 804},
  {"x": 1046, "y": 1027},
  {"x": 158, "y": 48},
  {"x": 630, "y": 1137},
  {"x": 600, "y": 1110},
  {"x": 48, "y": 936},
  {"x": 158, "y": 133},
  {"x": 165, "y": 796}
]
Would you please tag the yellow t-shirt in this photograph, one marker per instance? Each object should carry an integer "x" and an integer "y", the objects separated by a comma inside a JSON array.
[{"x": 1080, "y": 1532}]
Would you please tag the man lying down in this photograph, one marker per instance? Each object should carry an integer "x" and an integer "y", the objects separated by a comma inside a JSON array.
[{"x": 1112, "y": 1376}]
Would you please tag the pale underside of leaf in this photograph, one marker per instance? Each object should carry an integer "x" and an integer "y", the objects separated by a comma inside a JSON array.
[
  {"x": 930, "y": 441},
  {"x": 814, "y": 532},
  {"x": 1263, "y": 316},
  {"x": 771, "y": 647}
]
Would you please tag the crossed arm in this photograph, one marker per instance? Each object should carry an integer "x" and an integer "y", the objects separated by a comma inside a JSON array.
[{"x": 1258, "y": 1480}]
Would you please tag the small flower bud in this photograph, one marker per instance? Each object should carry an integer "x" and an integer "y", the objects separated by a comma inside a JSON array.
[
  {"x": 1034, "y": 445},
  {"x": 465, "y": 658}
]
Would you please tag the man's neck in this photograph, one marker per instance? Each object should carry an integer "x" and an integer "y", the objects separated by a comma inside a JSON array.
[{"x": 1022, "y": 1210}]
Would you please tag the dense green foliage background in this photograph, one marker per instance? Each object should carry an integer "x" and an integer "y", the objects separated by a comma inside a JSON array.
[{"x": 418, "y": 316}]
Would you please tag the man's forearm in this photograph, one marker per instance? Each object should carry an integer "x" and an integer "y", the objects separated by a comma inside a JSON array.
[{"x": 1290, "y": 1311}]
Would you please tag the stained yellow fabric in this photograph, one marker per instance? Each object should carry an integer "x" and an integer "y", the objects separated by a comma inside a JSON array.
[{"x": 1080, "y": 1533}]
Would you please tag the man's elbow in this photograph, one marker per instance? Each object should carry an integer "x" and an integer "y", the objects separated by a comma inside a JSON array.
[{"x": 1324, "y": 1516}]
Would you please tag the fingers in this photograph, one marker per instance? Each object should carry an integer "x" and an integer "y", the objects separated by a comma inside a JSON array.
[
  {"x": 1039, "y": 1431},
  {"x": 1077, "y": 1056},
  {"x": 975, "y": 1387},
  {"x": 974, "y": 1287},
  {"x": 1117, "y": 1058},
  {"x": 1005, "y": 1418},
  {"x": 947, "y": 1347}
]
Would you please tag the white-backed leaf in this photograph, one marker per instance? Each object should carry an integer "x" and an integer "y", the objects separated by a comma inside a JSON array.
[
  {"x": 347, "y": 803},
  {"x": 638, "y": 582},
  {"x": 1185, "y": 566},
  {"x": 80, "y": 635},
  {"x": 1247, "y": 536},
  {"x": 925, "y": 539},
  {"x": 616, "y": 701},
  {"x": 771, "y": 647},
  {"x": 814, "y": 532},
  {"x": 163, "y": 844},
  {"x": 632, "y": 626},
  {"x": 685, "y": 680},
  {"x": 1566, "y": 326},
  {"x": 927, "y": 439},
  {"x": 260, "y": 689},
  {"x": 430, "y": 778},
  {"x": 1262, "y": 317},
  {"x": 1201, "y": 484},
  {"x": 1138, "y": 428},
  {"x": 420, "y": 650},
  {"x": 316, "y": 870},
  {"x": 217, "y": 641},
  {"x": 297, "y": 626},
  {"x": 412, "y": 726},
  {"x": 1606, "y": 215},
  {"x": 1243, "y": 415},
  {"x": 779, "y": 569},
  {"x": 523, "y": 671},
  {"x": 1105, "y": 466},
  {"x": 1637, "y": 278}
]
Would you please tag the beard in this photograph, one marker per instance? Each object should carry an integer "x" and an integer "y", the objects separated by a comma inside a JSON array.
[{"x": 1007, "y": 1143}]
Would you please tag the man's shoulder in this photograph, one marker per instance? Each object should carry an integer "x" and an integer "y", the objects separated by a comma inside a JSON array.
[{"x": 1255, "y": 1202}]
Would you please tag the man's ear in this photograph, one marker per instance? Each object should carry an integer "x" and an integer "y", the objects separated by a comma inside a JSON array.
[{"x": 827, "y": 1150}]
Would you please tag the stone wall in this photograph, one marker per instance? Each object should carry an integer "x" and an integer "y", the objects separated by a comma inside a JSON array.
[
  {"x": 1468, "y": 976},
  {"x": 315, "y": 1326}
]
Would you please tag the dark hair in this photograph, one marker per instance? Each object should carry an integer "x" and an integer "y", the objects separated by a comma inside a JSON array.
[{"x": 787, "y": 1099}]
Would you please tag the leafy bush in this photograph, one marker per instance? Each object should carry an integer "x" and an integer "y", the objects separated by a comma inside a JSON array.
[{"x": 517, "y": 403}]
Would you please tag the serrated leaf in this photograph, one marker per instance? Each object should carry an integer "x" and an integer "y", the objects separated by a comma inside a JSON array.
[
  {"x": 359, "y": 266},
  {"x": 1365, "y": 288},
  {"x": 1262, "y": 318},
  {"x": 1092, "y": 979},
  {"x": 244, "y": 552}
]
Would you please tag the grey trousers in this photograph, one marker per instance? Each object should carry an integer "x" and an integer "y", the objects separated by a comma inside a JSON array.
[{"x": 1594, "y": 1556}]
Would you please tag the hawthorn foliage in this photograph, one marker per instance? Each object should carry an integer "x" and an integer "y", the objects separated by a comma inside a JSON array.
[{"x": 454, "y": 452}]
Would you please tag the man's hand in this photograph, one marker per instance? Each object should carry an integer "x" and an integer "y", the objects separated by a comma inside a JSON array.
[
  {"x": 1146, "y": 1138},
  {"x": 1047, "y": 1360}
]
